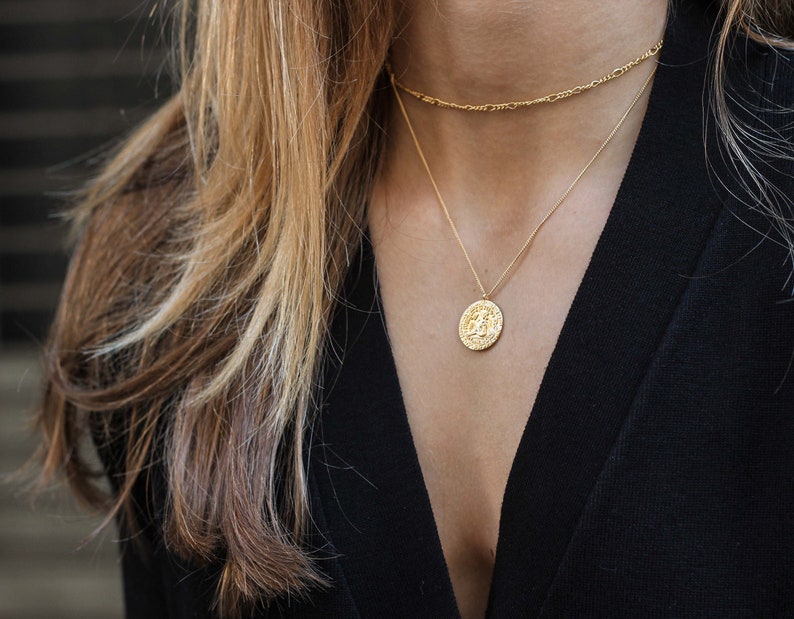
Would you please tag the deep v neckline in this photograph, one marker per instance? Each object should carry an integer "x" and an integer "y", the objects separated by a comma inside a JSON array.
[{"x": 370, "y": 483}]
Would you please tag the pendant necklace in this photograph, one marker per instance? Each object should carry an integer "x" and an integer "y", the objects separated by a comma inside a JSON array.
[{"x": 481, "y": 323}]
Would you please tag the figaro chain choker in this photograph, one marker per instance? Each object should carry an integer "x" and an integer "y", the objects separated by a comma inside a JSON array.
[{"x": 515, "y": 105}]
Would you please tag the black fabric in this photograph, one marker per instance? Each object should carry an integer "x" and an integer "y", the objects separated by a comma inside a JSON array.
[{"x": 655, "y": 477}]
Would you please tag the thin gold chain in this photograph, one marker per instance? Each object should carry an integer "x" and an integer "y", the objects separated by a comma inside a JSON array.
[
  {"x": 515, "y": 105},
  {"x": 487, "y": 294}
]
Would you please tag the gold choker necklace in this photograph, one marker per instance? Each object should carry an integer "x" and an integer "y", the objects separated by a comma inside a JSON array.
[
  {"x": 481, "y": 323},
  {"x": 515, "y": 105}
]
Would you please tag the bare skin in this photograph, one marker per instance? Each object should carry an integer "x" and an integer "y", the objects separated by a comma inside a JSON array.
[{"x": 499, "y": 174}]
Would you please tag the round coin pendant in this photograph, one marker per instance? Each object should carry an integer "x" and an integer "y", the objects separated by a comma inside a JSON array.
[{"x": 480, "y": 325}]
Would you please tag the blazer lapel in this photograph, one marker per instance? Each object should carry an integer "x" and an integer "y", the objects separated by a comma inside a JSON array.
[
  {"x": 659, "y": 223},
  {"x": 369, "y": 479}
]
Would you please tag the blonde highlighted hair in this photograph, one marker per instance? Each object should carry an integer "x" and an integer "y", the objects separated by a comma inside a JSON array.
[{"x": 211, "y": 250}]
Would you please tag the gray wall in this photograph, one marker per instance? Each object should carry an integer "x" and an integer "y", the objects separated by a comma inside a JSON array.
[{"x": 74, "y": 75}]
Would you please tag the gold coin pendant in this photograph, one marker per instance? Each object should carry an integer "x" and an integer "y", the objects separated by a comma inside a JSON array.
[{"x": 480, "y": 325}]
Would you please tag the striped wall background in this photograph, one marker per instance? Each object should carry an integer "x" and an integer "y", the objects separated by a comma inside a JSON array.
[{"x": 74, "y": 75}]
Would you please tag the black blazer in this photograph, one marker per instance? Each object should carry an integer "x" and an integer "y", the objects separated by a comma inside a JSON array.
[{"x": 655, "y": 477}]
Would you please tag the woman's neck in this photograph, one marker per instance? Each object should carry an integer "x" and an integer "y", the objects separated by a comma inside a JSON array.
[
  {"x": 488, "y": 51},
  {"x": 491, "y": 50}
]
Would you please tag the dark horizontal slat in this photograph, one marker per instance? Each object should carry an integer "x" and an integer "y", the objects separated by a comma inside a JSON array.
[
  {"x": 52, "y": 152},
  {"x": 67, "y": 64},
  {"x": 32, "y": 269},
  {"x": 59, "y": 123},
  {"x": 75, "y": 11},
  {"x": 36, "y": 181},
  {"x": 25, "y": 327},
  {"x": 30, "y": 297},
  {"x": 119, "y": 92},
  {"x": 26, "y": 210},
  {"x": 40, "y": 238},
  {"x": 119, "y": 34}
]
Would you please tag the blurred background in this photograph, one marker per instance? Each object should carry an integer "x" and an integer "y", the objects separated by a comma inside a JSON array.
[{"x": 75, "y": 76}]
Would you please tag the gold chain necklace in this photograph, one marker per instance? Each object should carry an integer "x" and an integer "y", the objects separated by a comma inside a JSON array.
[
  {"x": 515, "y": 105},
  {"x": 481, "y": 323}
]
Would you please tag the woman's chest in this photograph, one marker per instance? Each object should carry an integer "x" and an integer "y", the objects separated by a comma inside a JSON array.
[
  {"x": 660, "y": 415},
  {"x": 467, "y": 409}
]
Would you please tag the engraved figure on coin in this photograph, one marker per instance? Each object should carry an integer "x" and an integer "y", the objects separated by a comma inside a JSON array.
[{"x": 480, "y": 324}]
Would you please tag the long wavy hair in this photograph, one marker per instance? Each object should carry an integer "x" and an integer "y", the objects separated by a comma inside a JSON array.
[{"x": 210, "y": 252}]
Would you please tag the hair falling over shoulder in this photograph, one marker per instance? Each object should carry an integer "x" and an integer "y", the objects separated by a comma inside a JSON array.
[{"x": 210, "y": 250}]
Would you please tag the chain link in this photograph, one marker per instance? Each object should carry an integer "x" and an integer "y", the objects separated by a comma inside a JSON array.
[{"x": 515, "y": 105}]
